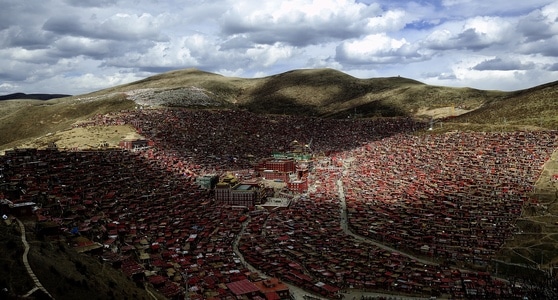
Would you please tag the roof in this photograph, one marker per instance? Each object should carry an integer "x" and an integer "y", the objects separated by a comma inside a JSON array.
[
  {"x": 271, "y": 285},
  {"x": 272, "y": 296},
  {"x": 242, "y": 287},
  {"x": 243, "y": 187}
]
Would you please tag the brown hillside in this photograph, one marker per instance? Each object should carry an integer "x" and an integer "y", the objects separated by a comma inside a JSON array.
[
  {"x": 316, "y": 92},
  {"x": 22, "y": 120},
  {"x": 537, "y": 106}
]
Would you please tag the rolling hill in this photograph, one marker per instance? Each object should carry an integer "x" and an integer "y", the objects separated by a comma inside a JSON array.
[
  {"x": 537, "y": 106},
  {"x": 316, "y": 92},
  {"x": 32, "y": 96}
]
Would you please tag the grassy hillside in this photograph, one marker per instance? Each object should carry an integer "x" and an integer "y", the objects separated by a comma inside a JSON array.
[
  {"x": 22, "y": 120},
  {"x": 316, "y": 92},
  {"x": 330, "y": 93},
  {"x": 537, "y": 106}
]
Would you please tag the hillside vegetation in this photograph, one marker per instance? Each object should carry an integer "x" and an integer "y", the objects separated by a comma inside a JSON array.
[
  {"x": 537, "y": 106},
  {"x": 315, "y": 92},
  {"x": 23, "y": 120}
]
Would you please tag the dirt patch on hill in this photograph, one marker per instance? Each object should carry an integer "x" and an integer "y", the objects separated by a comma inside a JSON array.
[
  {"x": 441, "y": 112},
  {"x": 81, "y": 138}
]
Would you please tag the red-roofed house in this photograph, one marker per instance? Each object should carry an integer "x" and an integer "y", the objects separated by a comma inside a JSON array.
[
  {"x": 273, "y": 289},
  {"x": 243, "y": 287}
]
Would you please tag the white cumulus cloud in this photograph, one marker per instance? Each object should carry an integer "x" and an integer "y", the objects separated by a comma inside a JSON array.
[{"x": 67, "y": 46}]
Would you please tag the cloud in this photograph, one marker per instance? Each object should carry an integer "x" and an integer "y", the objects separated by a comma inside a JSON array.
[
  {"x": 71, "y": 46},
  {"x": 503, "y": 65},
  {"x": 16, "y": 36},
  {"x": 121, "y": 27},
  {"x": 439, "y": 76},
  {"x": 7, "y": 88},
  {"x": 91, "y": 3},
  {"x": 376, "y": 49},
  {"x": 540, "y": 24},
  {"x": 469, "y": 8},
  {"x": 303, "y": 23},
  {"x": 23, "y": 14},
  {"x": 546, "y": 47},
  {"x": 453, "y": 42},
  {"x": 476, "y": 34}
]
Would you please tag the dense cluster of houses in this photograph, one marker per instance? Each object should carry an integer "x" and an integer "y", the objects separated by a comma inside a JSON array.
[
  {"x": 144, "y": 212},
  {"x": 156, "y": 226},
  {"x": 452, "y": 196},
  {"x": 307, "y": 242}
]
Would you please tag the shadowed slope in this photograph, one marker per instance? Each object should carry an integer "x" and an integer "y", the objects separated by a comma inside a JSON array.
[
  {"x": 537, "y": 106},
  {"x": 309, "y": 92}
]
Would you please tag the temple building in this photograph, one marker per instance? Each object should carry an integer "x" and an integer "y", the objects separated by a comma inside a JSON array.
[{"x": 231, "y": 191}]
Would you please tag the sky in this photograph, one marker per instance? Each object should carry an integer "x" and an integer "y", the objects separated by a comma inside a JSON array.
[{"x": 80, "y": 46}]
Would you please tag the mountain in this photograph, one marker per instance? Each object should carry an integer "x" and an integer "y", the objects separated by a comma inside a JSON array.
[
  {"x": 17, "y": 96},
  {"x": 312, "y": 92},
  {"x": 319, "y": 92}
]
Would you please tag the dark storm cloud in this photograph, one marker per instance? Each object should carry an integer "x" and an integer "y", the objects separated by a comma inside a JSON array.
[
  {"x": 444, "y": 76},
  {"x": 26, "y": 38},
  {"x": 71, "y": 47},
  {"x": 21, "y": 13},
  {"x": 12, "y": 75},
  {"x": 472, "y": 40},
  {"x": 387, "y": 56},
  {"x": 533, "y": 29},
  {"x": 297, "y": 36},
  {"x": 498, "y": 64},
  {"x": 65, "y": 25},
  {"x": 549, "y": 48},
  {"x": 156, "y": 69}
]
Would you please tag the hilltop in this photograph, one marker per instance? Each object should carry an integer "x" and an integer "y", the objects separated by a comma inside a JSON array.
[
  {"x": 314, "y": 92},
  {"x": 16, "y": 96}
]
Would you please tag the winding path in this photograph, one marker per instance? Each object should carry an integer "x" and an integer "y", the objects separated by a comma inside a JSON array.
[
  {"x": 345, "y": 226},
  {"x": 38, "y": 285}
]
